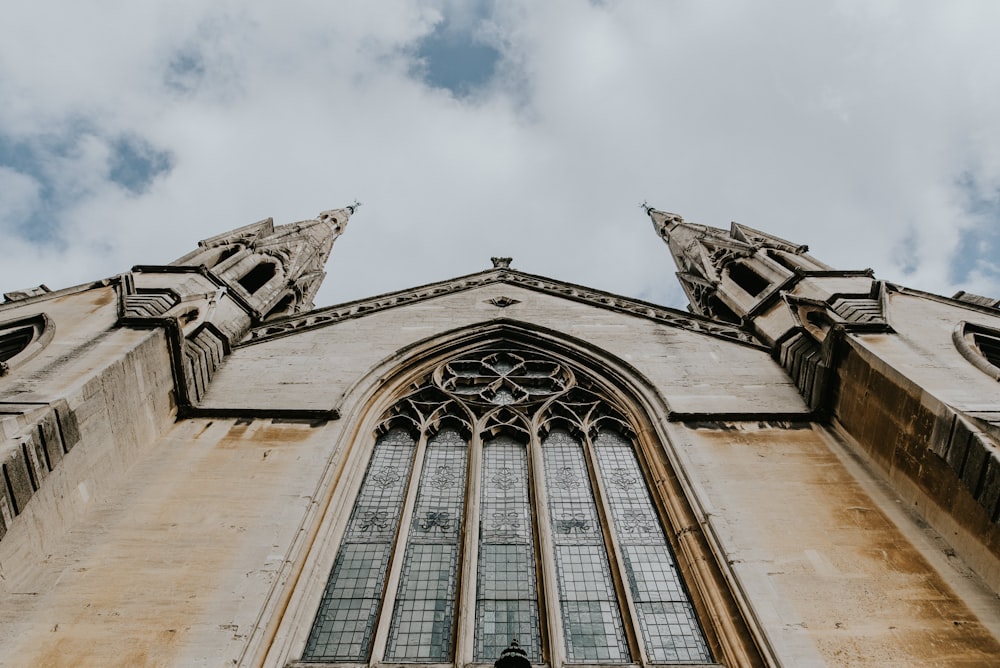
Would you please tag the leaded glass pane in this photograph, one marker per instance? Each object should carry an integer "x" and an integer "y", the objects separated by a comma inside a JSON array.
[
  {"x": 346, "y": 618},
  {"x": 591, "y": 619},
  {"x": 506, "y": 589},
  {"x": 422, "y": 621},
  {"x": 666, "y": 618}
]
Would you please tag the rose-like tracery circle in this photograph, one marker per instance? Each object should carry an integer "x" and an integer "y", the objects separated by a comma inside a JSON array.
[{"x": 502, "y": 378}]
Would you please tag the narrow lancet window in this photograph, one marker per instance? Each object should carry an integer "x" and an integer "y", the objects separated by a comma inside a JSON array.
[
  {"x": 346, "y": 620},
  {"x": 591, "y": 618},
  {"x": 669, "y": 628},
  {"x": 423, "y": 620},
  {"x": 506, "y": 586}
]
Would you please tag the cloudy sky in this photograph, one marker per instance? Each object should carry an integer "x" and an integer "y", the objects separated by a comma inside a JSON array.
[{"x": 868, "y": 130}]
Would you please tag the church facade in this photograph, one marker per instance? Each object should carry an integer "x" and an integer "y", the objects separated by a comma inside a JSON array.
[{"x": 202, "y": 469}]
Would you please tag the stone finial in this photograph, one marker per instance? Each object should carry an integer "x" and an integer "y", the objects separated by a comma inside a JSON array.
[
  {"x": 513, "y": 657},
  {"x": 501, "y": 262}
]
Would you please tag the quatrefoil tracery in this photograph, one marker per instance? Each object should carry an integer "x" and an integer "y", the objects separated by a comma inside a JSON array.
[{"x": 503, "y": 378}]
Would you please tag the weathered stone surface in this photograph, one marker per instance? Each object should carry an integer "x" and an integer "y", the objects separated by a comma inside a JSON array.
[
  {"x": 846, "y": 583},
  {"x": 16, "y": 473}
]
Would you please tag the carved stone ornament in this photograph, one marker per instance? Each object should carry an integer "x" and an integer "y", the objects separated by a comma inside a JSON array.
[
  {"x": 501, "y": 262},
  {"x": 503, "y": 302}
]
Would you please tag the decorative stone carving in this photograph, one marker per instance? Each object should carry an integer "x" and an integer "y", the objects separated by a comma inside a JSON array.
[{"x": 502, "y": 378}]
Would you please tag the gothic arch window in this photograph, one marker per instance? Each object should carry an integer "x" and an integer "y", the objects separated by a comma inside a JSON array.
[
  {"x": 21, "y": 340},
  {"x": 258, "y": 276},
  {"x": 748, "y": 279},
  {"x": 980, "y": 346},
  {"x": 508, "y": 484}
]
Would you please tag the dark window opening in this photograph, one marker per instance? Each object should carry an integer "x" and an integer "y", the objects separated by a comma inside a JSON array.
[
  {"x": 256, "y": 278},
  {"x": 722, "y": 312},
  {"x": 284, "y": 307},
  {"x": 748, "y": 279},
  {"x": 224, "y": 255},
  {"x": 988, "y": 345},
  {"x": 782, "y": 259},
  {"x": 818, "y": 319},
  {"x": 13, "y": 342}
]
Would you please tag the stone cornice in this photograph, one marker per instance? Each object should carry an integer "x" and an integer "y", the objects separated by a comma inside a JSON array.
[{"x": 605, "y": 300}]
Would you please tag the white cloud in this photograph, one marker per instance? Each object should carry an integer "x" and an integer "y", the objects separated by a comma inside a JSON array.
[{"x": 848, "y": 127}]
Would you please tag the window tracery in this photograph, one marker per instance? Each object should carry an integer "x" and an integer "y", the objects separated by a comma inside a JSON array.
[
  {"x": 514, "y": 460},
  {"x": 21, "y": 340}
]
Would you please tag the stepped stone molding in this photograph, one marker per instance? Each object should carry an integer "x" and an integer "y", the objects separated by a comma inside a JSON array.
[
  {"x": 329, "y": 316},
  {"x": 148, "y": 303},
  {"x": 203, "y": 354},
  {"x": 802, "y": 357},
  {"x": 973, "y": 456},
  {"x": 34, "y": 441}
]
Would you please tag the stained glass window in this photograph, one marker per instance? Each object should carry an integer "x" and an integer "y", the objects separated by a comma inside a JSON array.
[
  {"x": 346, "y": 619},
  {"x": 666, "y": 617},
  {"x": 591, "y": 619},
  {"x": 476, "y": 408},
  {"x": 425, "y": 605},
  {"x": 506, "y": 589}
]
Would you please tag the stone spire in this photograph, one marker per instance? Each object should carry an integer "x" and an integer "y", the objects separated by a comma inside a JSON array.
[
  {"x": 726, "y": 273},
  {"x": 699, "y": 251},
  {"x": 275, "y": 269}
]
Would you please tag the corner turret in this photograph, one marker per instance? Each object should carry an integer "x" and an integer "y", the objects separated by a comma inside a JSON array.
[
  {"x": 210, "y": 298},
  {"x": 275, "y": 270},
  {"x": 727, "y": 275}
]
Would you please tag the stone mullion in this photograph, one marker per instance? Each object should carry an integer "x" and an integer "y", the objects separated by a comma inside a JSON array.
[
  {"x": 548, "y": 589},
  {"x": 465, "y": 626}
]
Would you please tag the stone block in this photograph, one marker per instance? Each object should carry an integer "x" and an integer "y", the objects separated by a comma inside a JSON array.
[
  {"x": 960, "y": 436},
  {"x": 69, "y": 427},
  {"x": 48, "y": 428},
  {"x": 989, "y": 492},
  {"x": 941, "y": 435},
  {"x": 34, "y": 451},
  {"x": 18, "y": 478},
  {"x": 976, "y": 456}
]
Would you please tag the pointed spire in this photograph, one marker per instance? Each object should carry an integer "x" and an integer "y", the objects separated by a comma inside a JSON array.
[
  {"x": 277, "y": 269},
  {"x": 698, "y": 250}
]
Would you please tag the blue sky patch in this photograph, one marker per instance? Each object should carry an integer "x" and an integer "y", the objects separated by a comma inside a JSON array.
[
  {"x": 135, "y": 163},
  {"x": 979, "y": 246},
  {"x": 48, "y": 159},
  {"x": 185, "y": 71},
  {"x": 456, "y": 59}
]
